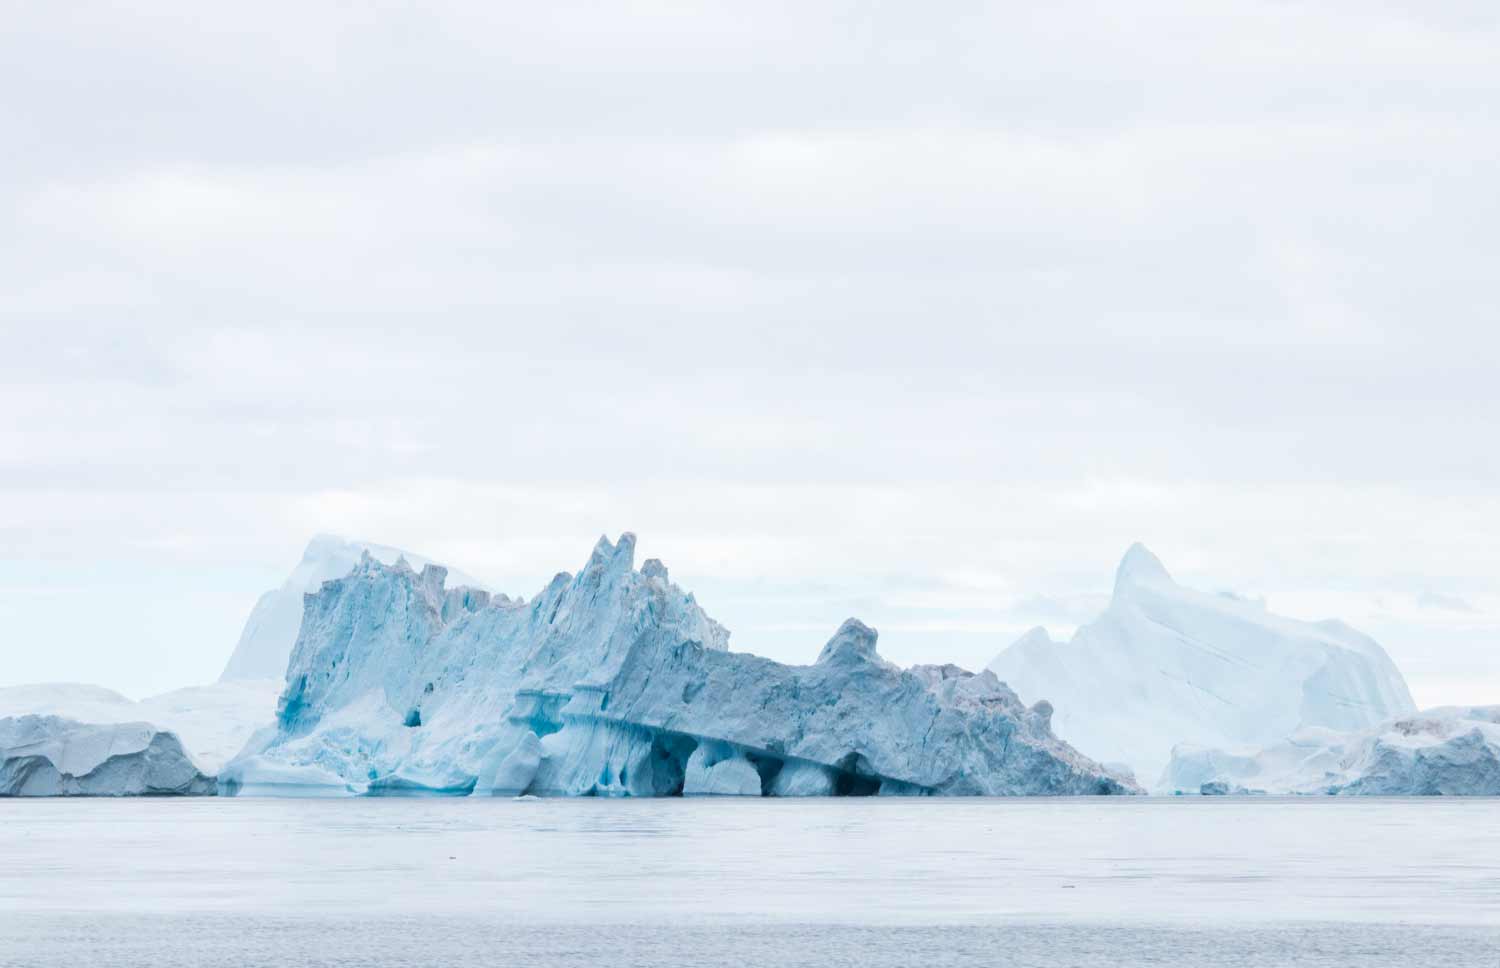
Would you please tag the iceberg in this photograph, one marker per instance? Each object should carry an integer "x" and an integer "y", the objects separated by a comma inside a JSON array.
[
  {"x": 271, "y": 628},
  {"x": 614, "y": 682},
  {"x": 49, "y": 756},
  {"x": 212, "y": 722},
  {"x": 1449, "y": 751},
  {"x": 1165, "y": 665}
]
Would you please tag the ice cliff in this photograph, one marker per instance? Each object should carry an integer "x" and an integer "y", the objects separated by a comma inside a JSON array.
[
  {"x": 1450, "y": 751},
  {"x": 271, "y": 628},
  {"x": 613, "y": 682},
  {"x": 48, "y": 756},
  {"x": 1165, "y": 665}
]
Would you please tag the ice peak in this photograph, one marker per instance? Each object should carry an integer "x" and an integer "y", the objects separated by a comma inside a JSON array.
[
  {"x": 1035, "y": 637},
  {"x": 1139, "y": 567},
  {"x": 853, "y": 640},
  {"x": 619, "y": 552}
]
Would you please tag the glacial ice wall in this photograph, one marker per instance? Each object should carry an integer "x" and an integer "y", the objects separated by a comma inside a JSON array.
[
  {"x": 613, "y": 682},
  {"x": 48, "y": 756}
]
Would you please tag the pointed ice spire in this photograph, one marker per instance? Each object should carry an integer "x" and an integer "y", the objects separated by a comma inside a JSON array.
[
  {"x": 606, "y": 553},
  {"x": 854, "y": 641},
  {"x": 1036, "y": 637},
  {"x": 1139, "y": 567}
]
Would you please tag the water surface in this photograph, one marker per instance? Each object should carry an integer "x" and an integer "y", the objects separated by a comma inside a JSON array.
[{"x": 476, "y": 881}]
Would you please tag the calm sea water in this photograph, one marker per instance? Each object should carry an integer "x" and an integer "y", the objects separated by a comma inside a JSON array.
[{"x": 283, "y": 883}]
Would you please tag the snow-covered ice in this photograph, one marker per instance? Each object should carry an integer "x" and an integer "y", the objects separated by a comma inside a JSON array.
[
  {"x": 610, "y": 682},
  {"x": 1165, "y": 665},
  {"x": 1449, "y": 751},
  {"x": 271, "y": 629},
  {"x": 49, "y": 756}
]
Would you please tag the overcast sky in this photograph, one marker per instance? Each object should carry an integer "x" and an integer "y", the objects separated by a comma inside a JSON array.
[{"x": 915, "y": 312}]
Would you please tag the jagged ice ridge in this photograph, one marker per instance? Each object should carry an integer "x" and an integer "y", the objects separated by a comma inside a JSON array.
[
  {"x": 613, "y": 682},
  {"x": 270, "y": 630}
]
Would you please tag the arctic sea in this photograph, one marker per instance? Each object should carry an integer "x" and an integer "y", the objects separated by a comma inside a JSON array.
[{"x": 721, "y": 882}]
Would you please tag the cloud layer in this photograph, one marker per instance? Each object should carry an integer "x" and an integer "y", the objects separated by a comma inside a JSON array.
[{"x": 917, "y": 314}]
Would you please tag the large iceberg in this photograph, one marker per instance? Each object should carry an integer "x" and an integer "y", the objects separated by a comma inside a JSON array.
[
  {"x": 212, "y": 722},
  {"x": 1449, "y": 751},
  {"x": 613, "y": 682},
  {"x": 49, "y": 756},
  {"x": 271, "y": 628},
  {"x": 1165, "y": 665}
]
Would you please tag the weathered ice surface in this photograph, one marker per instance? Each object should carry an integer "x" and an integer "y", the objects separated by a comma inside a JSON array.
[
  {"x": 613, "y": 682},
  {"x": 48, "y": 756},
  {"x": 212, "y": 722},
  {"x": 1165, "y": 665},
  {"x": 1450, "y": 751},
  {"x": 718, "y": 769},
  {"x": 271, "y": 629}
]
